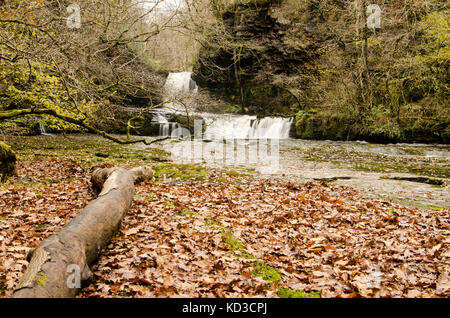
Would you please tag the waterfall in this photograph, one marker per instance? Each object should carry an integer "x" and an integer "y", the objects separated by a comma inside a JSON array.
[
  {"x": 244, "y": 126},
  {"x": 165, "y": 127},
  {"x": 180, "y": 83},
  {"x": 43, "y": 131},
  {"x": 271, "y": 127},
  {"x": 226, "y": 126},
  {"x": 178, "y": 86},
  {"x": 159, "y": 118}
]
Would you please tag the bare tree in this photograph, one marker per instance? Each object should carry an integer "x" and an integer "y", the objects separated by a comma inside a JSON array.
[{"x": 78, "y": 74}]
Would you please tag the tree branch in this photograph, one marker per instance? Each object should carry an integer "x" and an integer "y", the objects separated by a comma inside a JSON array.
[{"x": 81, "y": 123}]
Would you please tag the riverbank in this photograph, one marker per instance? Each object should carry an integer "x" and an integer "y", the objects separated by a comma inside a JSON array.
[
  {"x": 415, "y": 175},
  {"x": 379, "y": 128},
  {"x": 198, "y": 231}
]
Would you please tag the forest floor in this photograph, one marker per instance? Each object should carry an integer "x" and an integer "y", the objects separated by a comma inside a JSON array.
[{"x": 195, "y": 231}]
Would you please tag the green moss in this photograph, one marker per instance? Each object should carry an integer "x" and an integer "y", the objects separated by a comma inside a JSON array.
[
  {"x": 377, "y": 125},
  {"x": 437, "y": 208},
  {"x": 7, "y": 162},
  {"x": 363, "y": 161},
  {"x": 414, "y": 151},
  {"x": 42, "y": 226},
  {"x": 170, "y": 203},
  {"x": 186, "y": 212},
  {"x": 212, "y": 222},
  {"x": 234, "y": 244},
  {"x": 288, "y": 293},
  {"x": 147, "y": 196},
  {"x": 40, "y": 279},
  {"x": 232, "y": 173},
  {"x": 90, "y": 150},
  {"x": 221, "y": 180},
  {"x": 183, "y": 172},
  {"x": 267, "y": 272},
  {"x": 431, "y": 171},
  {"x": 322, "y": 125}
]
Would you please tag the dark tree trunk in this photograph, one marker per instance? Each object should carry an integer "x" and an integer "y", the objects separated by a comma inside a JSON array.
[{"x": 7, "y": 162}]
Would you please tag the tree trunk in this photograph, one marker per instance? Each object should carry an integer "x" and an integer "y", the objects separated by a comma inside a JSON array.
[{"x": 61, "y": 262}]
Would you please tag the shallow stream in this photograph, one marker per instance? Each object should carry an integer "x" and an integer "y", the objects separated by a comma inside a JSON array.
[{"x": 416, "y": 175}]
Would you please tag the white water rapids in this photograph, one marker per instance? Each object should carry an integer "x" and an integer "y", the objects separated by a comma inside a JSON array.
[
  {"x": 219, "y": 126},
  {"x": 244, "y": 126}
]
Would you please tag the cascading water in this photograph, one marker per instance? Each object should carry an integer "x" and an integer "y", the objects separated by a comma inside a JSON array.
[
  {"x": 224, "y": 126},
  {"x": 178, "y": 86},
  {"x": 271, "y": 127},
  {"x": 227, "y": 126},
  {"x": 165, "y": 127},
  {"x": 244, "y": 126},
  {"x": 43, "y": 131},
  {"x": 180, "y": 83}
]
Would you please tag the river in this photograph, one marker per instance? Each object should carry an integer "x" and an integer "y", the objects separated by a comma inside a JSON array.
[{"x": 416, "y": 175}]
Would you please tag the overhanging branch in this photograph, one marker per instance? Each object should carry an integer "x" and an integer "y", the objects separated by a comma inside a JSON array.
[{"x": 11, "y": 114}]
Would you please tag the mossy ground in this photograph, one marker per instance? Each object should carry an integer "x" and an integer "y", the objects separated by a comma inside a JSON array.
[
  {"x": 261, "y": 269},
  {"x": 412, "y": 162},
  {"x": 89, "y": 150},
  {"x": 94, "y": 151},
  {"x": 287, "y": 293}
]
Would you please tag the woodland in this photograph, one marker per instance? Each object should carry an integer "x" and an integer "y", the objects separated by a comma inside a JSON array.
[{"x": 93, "y": 203}]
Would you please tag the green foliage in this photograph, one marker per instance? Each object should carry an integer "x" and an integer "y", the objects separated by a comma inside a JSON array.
[
  {"x": 31, "y": 85},
  {"x": 266, "y": 272},
  {"x": 182, "y": 172},
  {"x": 40, "y": 279},
  {"x": 287, "y": 293},
  {"x": 7, "y": 162},
  {"x": 78, "y": 77},
  {"x": 147, "y": 196},
  {"x": 322, "y": 125},
  {"x": 388, "y": 84},
  {"x": 186, "y": 212},
  {"x": 437, "y": 26},
  {"x": 234, "y": 244}
]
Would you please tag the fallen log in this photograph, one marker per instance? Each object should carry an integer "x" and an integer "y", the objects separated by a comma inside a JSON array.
[{"x": 60, "y": 263}]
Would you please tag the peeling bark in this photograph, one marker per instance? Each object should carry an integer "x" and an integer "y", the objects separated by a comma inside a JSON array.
[{"x": 60, "y": 263}]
